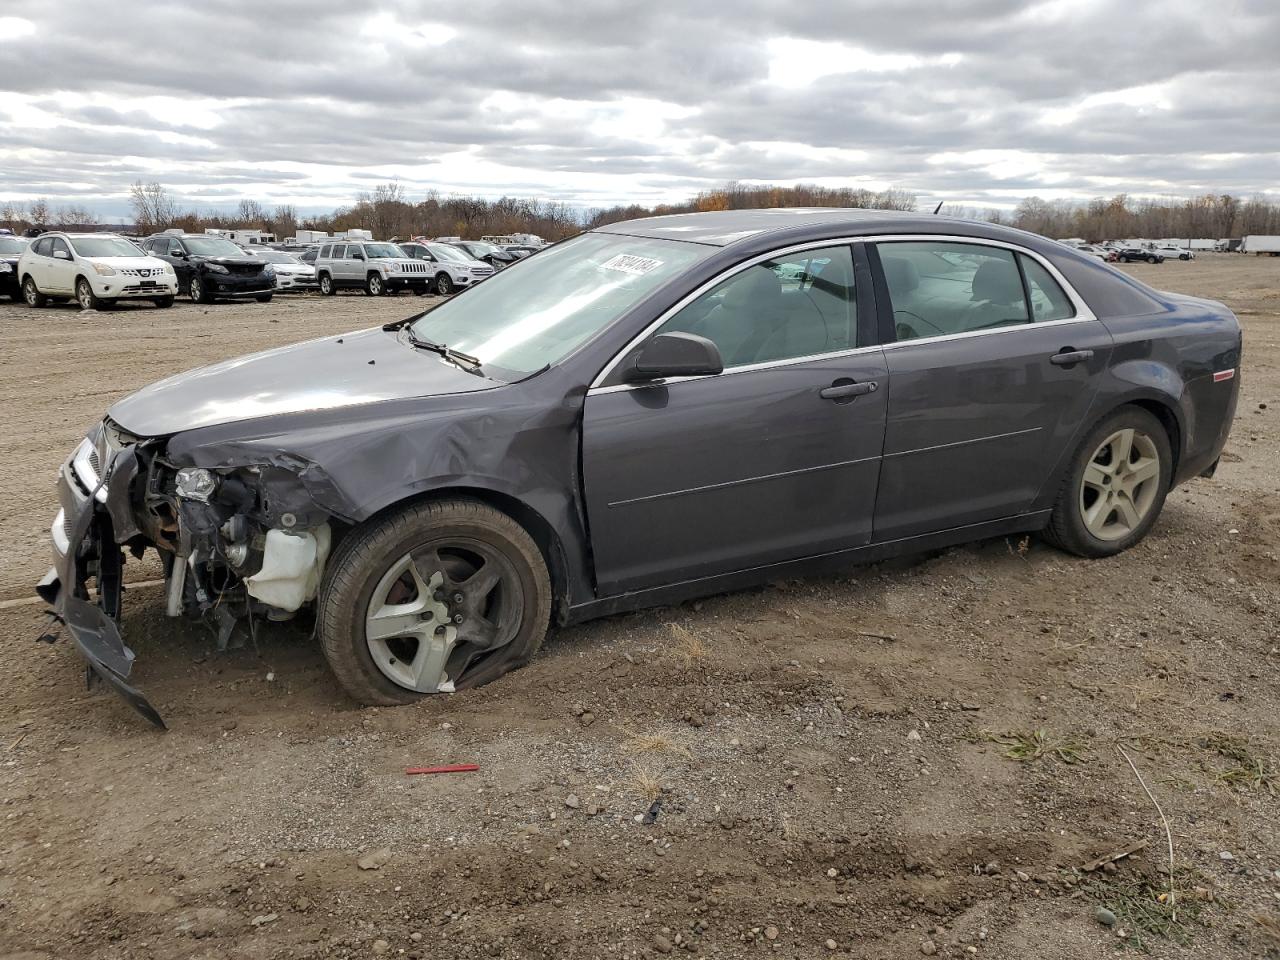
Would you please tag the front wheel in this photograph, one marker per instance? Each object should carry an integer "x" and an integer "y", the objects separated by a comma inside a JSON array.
[
  {"x": 435, "y": 597},
  {"x": 163, "y": 302},
  {"x": 31, "y": 294},
  {"x": 326, "y": 285},
  {"x": 85, "y": 296},
  {"x": 264, "y": 297},
  {"x": 444, "y": 284},
  {"x": 197, "y": 291},
  {"x": 374, "y": 285},
  {"x": 1115, "y": 486}
]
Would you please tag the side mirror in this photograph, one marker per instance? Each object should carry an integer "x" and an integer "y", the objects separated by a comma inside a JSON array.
[
  {"x": 359, "y": 256},
  {"x": 675, "y": 355},
  {"x": 61, "y": 255}
]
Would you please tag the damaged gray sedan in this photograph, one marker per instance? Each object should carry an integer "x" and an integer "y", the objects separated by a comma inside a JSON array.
[{"x": 648, "y": 412}]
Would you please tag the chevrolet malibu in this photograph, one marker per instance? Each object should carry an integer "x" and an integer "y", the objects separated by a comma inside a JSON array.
[{"x": 648, "y": 412}]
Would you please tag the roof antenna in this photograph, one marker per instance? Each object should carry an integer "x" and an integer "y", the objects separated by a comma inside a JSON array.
[{"x": 938, "y": 207}]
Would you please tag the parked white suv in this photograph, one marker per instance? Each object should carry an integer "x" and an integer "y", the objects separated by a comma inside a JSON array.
[
  {"x": 96, "y": 268},
  {"x": 376, "y": 268},
  {"x": 452, "y": 268}
]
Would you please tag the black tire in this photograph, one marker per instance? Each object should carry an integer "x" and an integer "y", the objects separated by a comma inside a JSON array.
[
  {"x": 365, "y": 555},
  {"x": 1067, "y": 530},
  {"x": 197, "y": 290},
  {"x": 444, "y": 284},
  {"x": 264, "y": 297},
  {"x": 327, "y": 289},
  {"x": 86, "y": 298},
  {"x": 375, "y": 286},
  {"x": 31, "y": 293},
  {"x": 163, "y": 302}
]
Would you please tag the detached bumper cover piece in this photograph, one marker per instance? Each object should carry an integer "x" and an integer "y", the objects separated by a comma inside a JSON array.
[{"x": 94, "y": 632}]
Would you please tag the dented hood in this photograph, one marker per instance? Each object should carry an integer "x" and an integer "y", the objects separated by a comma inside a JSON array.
[{"x": 354, "y": 368}]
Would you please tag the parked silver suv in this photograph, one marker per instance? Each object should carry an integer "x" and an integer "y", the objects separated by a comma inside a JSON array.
[{"x": 376, "y": 268}]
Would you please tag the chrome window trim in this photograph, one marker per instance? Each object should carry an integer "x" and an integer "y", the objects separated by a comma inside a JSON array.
[{"x": 1083, "y": 313}]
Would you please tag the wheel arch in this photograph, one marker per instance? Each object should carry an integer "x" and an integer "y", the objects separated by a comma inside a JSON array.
[{"x": 532, "y": 520}]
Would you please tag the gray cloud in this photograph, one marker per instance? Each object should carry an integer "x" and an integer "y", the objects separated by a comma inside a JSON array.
[{"x": 311, "y": 101}]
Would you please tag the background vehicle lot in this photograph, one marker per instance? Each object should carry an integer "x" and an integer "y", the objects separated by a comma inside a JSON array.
[{"x": 781, "y": 728}]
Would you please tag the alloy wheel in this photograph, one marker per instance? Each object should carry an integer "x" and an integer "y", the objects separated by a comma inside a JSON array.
[
  {"x": 84, "y": 296},
  {"x": 30, "y": 293},
  {"x": 439, "y": 607},
  {"x": 196, "y": 290},
  {"x": 1120, "y": 484}
]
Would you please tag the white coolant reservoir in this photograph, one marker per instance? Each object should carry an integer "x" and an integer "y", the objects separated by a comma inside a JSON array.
[{"x": 292, "y": 564}]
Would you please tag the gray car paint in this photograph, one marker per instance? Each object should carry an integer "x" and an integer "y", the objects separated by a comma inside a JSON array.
[{"x": 522, "y": 446}]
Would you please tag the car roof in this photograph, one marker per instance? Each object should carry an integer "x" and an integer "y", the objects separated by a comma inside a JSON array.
[{"x": 724, "y": 227}]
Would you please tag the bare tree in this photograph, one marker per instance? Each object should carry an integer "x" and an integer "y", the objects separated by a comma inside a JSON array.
[
  {"x": 153, "y": 206},
  {"x": 250, "y": 213},
  {"x": 39, "y": 212}
]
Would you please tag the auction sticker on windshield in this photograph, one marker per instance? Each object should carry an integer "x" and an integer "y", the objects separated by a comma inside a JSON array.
[{"x": 630, "y": 263}]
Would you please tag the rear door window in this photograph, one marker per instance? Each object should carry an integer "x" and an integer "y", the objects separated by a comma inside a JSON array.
[
  {"x": 941, "y": 288},
  {"x": 1048, "y": 300}
]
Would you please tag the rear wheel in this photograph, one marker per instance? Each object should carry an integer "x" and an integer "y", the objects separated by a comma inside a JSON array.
[
  {"x": 85, "y": 296},
  {"x": 1115, "y": 486},
  {"x": 31, "y": 294},
  {"x": 444, "y": 284},
  {"x": 434, "y": 597}
]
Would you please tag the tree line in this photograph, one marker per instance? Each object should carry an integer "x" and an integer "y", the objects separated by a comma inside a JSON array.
[{"x": 389, "y": 213}]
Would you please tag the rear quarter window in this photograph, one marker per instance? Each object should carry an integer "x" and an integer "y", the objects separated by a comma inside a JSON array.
[{"x": 1107, "y": 292}]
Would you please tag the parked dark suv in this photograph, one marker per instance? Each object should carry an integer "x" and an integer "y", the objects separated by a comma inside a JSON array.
[
  {"x": 210, "y": 267},
  {"x": 11, "y": 248}
]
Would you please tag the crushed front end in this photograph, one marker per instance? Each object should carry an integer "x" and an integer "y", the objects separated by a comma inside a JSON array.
[{"x": 237, "y": 543}]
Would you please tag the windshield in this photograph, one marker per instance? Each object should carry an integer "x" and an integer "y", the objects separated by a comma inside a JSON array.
[
  {"x": 12, "y": 245},
  {"x": 274, "y": 256},
  {"x": 518, "y": 321},
  {"x": 104, "y": 247},
  {"x": 212, "y": 247},
  {"x": 442, "y": 251},
  {"x": 479, "y": 249},
  {"x": 376, "y": 250}
]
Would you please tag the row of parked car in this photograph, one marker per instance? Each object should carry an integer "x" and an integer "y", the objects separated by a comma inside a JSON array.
[
  {"x": 1131, "y": 251},
  {"x": 99, "y": 269}
]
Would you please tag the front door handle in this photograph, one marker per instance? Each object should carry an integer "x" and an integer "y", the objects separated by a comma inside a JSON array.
[
  {"x": 846, "y": 390},
  {"x": 1068, "y": 357}
]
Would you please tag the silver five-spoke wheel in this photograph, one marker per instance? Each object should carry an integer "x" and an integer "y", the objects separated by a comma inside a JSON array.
[
  {"x": 1120, "y": 484},
  {"x": 439, "y": 607}
]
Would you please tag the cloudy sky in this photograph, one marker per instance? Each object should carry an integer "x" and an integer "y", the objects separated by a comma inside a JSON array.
[{"x": 309, "y": 102}]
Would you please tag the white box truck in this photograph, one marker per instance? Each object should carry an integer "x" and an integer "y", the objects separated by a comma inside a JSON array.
[{"x": 1260, "y": 244}]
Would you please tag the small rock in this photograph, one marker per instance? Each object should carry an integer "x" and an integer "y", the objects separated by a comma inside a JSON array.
[
  {"x": 662, "y": 944},
  {"x": 587, "y": 718},
  {"x": 1225, "y": 855},
  {"x": 381, "y": 946},
  {"x": 833, "y": 873},
  {"x": 928, "y": 948},
  {"x": 914, "y": 736},
  {"x": 228, "y": 725},
  {"x": 1104, "y": 917},
  {"x": 416, "y": 937},
  {"x": 1024, "y": 877},
  {"x": 265, "y": 918},
  {"x": 831, "y": 944},
  {"x": 572, "y": 801},
  {"x": 771, "y": 933},
  {"x": 375, "y": 860}
]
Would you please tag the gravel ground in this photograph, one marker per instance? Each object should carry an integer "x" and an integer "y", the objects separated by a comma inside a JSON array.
[{"x": 830, "y": 757}]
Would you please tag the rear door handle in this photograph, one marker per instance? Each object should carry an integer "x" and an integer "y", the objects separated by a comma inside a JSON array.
[
  {"x": 847, "y": 390},
  {"x": 1066, "y": 358}
]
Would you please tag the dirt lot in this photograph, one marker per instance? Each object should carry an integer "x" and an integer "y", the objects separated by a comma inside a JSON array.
[{"x": 827, "y": 753}]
